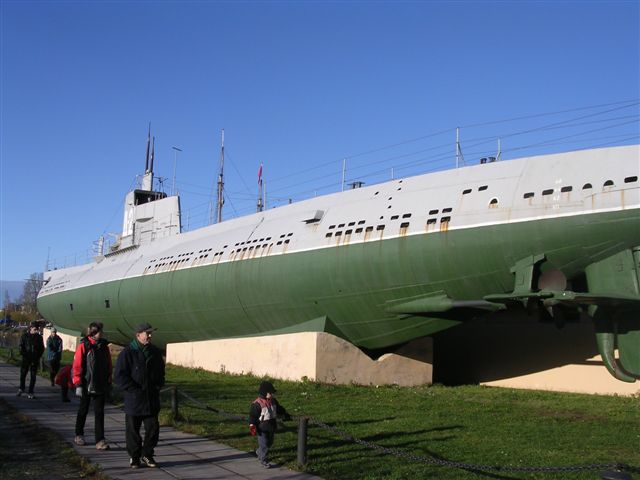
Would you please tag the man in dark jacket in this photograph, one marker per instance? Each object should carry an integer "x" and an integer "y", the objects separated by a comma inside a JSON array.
[
  {"x": 140, "y": 376},
  {"x": 31, "y": 349}
]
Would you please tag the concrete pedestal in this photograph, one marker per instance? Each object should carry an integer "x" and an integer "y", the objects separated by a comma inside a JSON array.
[{"x": 316, "y": 356}]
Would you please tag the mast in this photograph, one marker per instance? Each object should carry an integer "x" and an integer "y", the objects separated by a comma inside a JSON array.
[
  {"x": 260, "y": 205},
  {"x": 220, "y": 200},
  {"x": 147, "y": 178}
]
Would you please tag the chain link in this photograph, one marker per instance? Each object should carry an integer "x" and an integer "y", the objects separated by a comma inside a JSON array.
[{"x": 430, "y": 460}]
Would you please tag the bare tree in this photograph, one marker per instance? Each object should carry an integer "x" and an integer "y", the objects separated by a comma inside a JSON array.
[{"x": 30, "y": 292}]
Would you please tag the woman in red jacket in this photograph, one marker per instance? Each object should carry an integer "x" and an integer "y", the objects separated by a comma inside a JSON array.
[{"x": 92, "y": 379}]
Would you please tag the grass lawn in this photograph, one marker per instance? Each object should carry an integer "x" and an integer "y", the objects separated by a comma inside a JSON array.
[{"x": 471, "y": 424}]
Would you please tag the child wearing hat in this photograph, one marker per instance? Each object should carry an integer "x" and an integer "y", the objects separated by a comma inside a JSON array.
[{"x": 262, "y": 420}]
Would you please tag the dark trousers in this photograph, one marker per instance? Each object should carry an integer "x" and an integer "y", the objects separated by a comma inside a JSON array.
[
  {"x": 28, "y": 366},
  {"x": 135, "y": 446},
  {"x": 265, "y": 441},
  {"x": 54, "y": 366},
  {"x": 65, "y": 392},
  {"x": 83, "y": 410}
]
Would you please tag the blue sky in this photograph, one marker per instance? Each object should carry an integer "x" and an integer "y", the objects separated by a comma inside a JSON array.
[{"x": 296, "y": 85}]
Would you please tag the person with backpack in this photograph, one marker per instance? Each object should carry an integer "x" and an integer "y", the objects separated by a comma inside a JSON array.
[
  {"x": 263, "y": 414},
  {"x": 31, "y": 349},
  {"x": 92, "y": 379}
]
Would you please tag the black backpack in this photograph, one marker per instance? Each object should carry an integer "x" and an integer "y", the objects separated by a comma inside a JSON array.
[{"x": 95, "y": 365}]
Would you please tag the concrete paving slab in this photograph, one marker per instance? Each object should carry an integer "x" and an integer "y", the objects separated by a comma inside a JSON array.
[{"x": 181, "y": 455}]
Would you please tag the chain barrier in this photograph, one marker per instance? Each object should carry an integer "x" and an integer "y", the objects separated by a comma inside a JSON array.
[{"x": 430, "y": 460}]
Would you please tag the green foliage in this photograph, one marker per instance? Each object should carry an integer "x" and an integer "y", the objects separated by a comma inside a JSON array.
[{"x": 471, "y": 424}]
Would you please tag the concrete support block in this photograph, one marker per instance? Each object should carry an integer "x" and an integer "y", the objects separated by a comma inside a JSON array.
[{"x": 316, "y": 356}]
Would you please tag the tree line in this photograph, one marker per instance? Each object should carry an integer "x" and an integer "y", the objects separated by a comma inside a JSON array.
[{"x": 24, "y": 309}]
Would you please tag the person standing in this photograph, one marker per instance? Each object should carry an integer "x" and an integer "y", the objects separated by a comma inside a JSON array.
[
  {"x": 54, "y": 354},
  {"x": 140, "y": 376},
  {"x": 92, "y": 378},
  {"x": 31, "y": 349},
  {"x": 263, "y": 415}
]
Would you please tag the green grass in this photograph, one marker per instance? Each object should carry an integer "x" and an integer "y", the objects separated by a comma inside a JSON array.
[{"x": 471, "y": 424}]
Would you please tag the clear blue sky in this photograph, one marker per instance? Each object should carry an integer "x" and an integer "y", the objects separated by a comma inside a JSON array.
[{"x": 296, "y": 85}]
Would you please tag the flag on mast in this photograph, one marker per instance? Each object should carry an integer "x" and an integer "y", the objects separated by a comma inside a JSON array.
[{"x": 260, "y": 174}]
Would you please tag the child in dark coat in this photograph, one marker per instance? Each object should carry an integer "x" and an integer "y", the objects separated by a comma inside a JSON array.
[{"x": 262, "y": 420}]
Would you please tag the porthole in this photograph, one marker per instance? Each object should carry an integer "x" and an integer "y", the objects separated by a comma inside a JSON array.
[
  {"x": 404, "y": 225},
  {"x": 467, "y": 191},
  {"x": 406, "y": 215},
  {"x": 494, "y": 201},
  {"x": 586, "y": 186},
  {"x": 358, "y": 230},
  {"x": 608, "y": 183},
  {"x": 445, "y": 219},
  {"x": 482, "y": 188},
  {"x": 548, "y": 191},
  {"x": 395, "y": 217},
  {"x": 431, "y": 221},
  {"x": 566, "y": 189},
  {"x": 380, "y": 227},
  {"x": 433, "y": 212},
  {"x": 328, "y": 235},
  {"x": 369, "y": 229},
  {"x": 447, "y": 210},
  {"x": 528, "y": 195},
  {"x": 631, "y": 179}
]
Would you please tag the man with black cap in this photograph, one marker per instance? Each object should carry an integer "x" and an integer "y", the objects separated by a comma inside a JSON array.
[
  {"x": 31, "y": 349},
  {"x": 140, "y": 376}
]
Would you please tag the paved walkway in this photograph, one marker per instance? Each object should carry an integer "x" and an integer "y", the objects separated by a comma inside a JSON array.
[{"x": 180, "y": 455}]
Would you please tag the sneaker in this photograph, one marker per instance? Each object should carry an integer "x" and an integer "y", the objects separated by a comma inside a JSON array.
[
  {"x": 31, "y": 396},
  {"x": 149, "y": 462},
  {"x": 265, "y": 464},
  {"x": 79, "y": 440},
  {"x": 102, "y": 445},
  {"x": 20, "y": 392},
  {"x": 134, "y": 463}
]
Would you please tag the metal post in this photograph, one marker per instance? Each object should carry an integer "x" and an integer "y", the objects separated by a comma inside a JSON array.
[
  {"x": 174, "y": 403},
  {"x": 303, "y": 422},
  {"x": 344, "y": 170},
  {"x": 175, "y": 161}
]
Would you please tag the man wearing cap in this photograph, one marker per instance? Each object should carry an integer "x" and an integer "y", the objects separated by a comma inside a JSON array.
[
  {"x": 140, "y": 376},
  {"x": 31, "y": 349},
  {"x": 54, "y": 354}
]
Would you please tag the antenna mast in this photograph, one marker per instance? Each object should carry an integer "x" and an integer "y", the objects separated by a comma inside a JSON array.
[
  {"x": 260, "y": 205},
  {"x": 459, "y": 156},
  {"x": 220, "y": 200}
]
